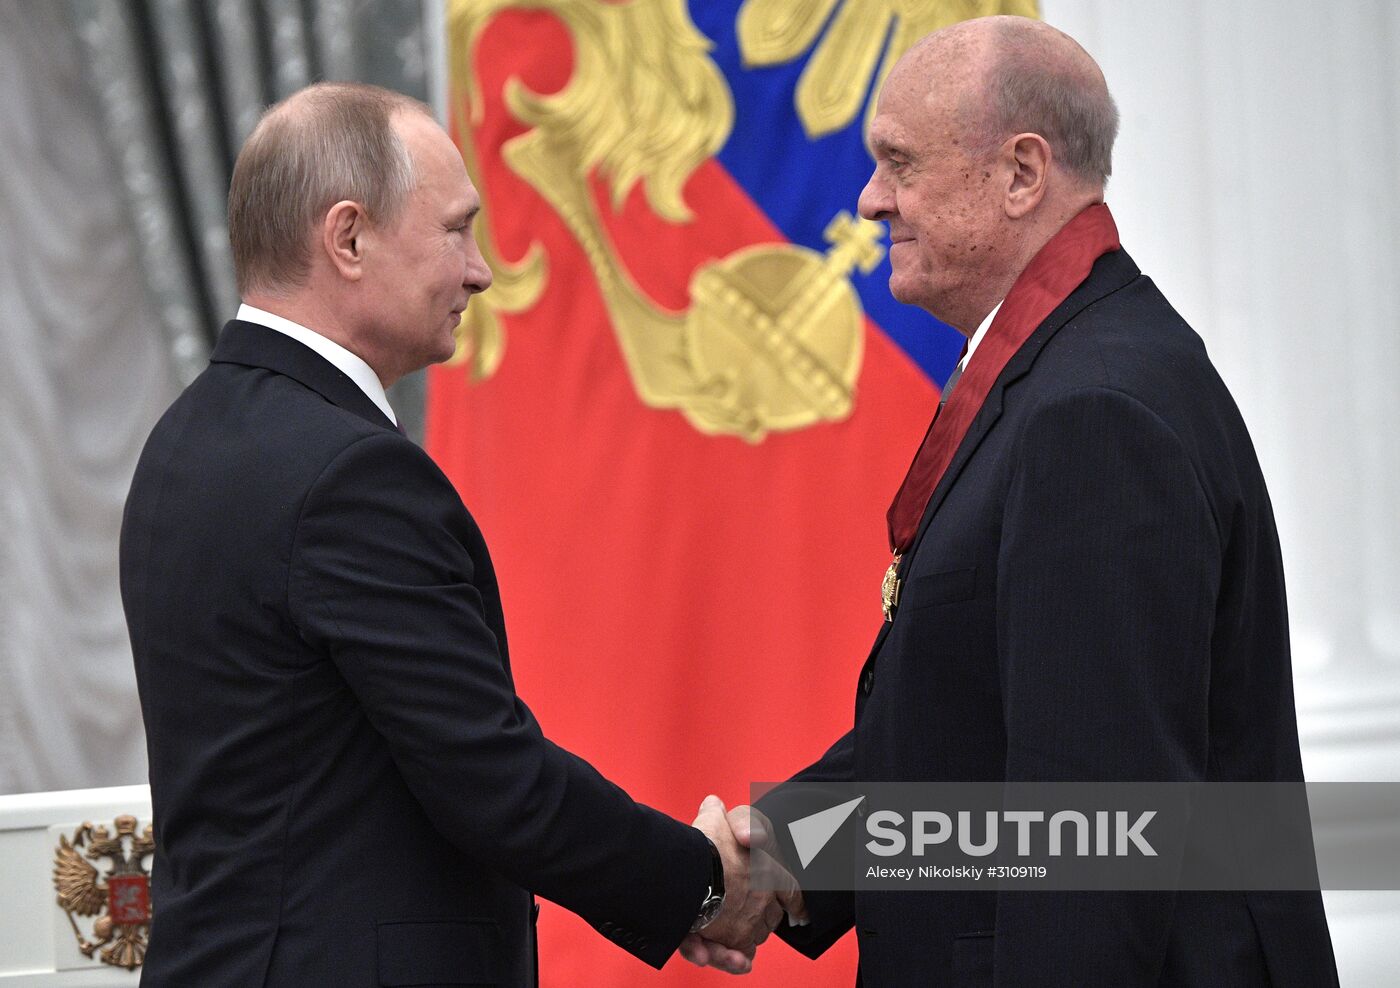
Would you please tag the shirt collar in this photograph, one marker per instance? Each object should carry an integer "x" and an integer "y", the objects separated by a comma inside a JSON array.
[
  {"x": 981, "y": 332},
  {"x": 346, "y": 362}
]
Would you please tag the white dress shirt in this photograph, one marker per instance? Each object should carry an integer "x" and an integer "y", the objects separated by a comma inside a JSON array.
[
  {"x": 350, "y": 365},
  {"x": 977, "y": 336}
]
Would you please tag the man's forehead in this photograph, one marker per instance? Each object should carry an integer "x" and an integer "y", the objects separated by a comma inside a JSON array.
[
  {"x": 460, "y": 198},
  {"x": 890, "y": 125},
  {"x": 886, "y": 135},
  {"x": 916, "y": 107},
  {"x": 902, "y": 122}
]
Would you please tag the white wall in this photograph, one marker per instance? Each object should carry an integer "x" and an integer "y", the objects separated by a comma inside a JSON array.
[{"x": 1257, "y": 180}]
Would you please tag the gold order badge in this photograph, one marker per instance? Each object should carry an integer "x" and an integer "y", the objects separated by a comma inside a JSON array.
[
  {"x": 120, "y": 899},
  {"x": 889, "y": 589}
]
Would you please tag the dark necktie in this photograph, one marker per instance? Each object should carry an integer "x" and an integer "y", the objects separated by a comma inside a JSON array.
[{"x": 952, "y": 380}]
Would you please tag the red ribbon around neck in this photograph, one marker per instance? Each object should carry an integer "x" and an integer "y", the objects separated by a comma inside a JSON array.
[{"x": 1057, "y": 270}]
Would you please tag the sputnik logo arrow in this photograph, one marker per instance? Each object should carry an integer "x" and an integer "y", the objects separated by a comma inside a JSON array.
[{"x": 811, "y": 833}]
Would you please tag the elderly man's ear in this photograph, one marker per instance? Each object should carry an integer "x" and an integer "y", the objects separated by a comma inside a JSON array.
[{"x": 1027, "y": 159}]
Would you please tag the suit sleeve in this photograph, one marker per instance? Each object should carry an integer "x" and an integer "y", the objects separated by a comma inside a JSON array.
[
  {"x": 381, "y": 580},
  {"x": 831, "y": 913},
  {"x": 1109, "y": 570}
]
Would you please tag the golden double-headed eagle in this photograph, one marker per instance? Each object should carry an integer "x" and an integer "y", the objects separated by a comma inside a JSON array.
[
  {"x": 774, "y": 334},
  {"x": 120, "y": 932}
]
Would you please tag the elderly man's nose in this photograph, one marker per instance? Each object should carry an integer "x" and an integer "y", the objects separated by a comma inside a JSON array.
[{"x": 875, "y": 202}]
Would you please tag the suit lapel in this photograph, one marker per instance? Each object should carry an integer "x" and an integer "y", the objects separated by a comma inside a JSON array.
[
  {"x": 1110, "y": 273},
  {"x": 252, "y": 345}
]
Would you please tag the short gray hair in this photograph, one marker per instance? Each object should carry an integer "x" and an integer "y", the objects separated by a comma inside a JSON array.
[
  {"x": 1070, "y": 108},
  {"x": 323, "y": 144}
]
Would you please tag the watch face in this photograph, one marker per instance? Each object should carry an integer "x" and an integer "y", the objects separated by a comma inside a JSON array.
[
  {"x": 709, "y": 909},
  {"x": 714, "y": 895}
]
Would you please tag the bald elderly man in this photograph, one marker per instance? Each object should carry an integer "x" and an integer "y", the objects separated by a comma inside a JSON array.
[
  {"x": 347, "y": 790},
  {"x": 1086, "y": 581}
]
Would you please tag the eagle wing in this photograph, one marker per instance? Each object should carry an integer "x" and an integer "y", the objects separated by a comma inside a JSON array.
[
  {"x": 143, "y": 845},
  {"x": 76, "y": 881}
]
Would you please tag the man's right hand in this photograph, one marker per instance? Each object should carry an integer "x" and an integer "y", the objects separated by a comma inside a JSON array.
[{"x": 749, "y": 915}]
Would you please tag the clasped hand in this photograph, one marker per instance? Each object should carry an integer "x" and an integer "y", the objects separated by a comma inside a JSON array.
[{"x": 745, "y": 842}]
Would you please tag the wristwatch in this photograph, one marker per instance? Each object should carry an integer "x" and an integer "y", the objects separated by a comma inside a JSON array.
[{"x": 714, "y": 895}]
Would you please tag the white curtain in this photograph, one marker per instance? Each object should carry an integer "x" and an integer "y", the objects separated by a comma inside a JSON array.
[
  {"x": 118, "y": 126},
  {"x": 85, "y": 373}
]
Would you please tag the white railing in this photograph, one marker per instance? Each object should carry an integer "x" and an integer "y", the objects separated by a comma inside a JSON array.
[{"x": 39, "y": 945}]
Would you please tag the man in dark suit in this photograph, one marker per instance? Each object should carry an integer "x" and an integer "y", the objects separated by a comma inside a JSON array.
[
  {"x": 1087, "y": 582},
  {"x": 347, "y": 790}
]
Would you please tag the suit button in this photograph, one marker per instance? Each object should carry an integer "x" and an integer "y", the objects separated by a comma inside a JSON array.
[
  {"x": 642, "y": 943},
  {"x": 606, "y": 927},
  {"x": 867, "y": 682}
]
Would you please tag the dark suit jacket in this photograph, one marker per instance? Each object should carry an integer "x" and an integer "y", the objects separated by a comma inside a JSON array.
[
  {"x": 347, "y": 790},
  {"x": 1096, "y": 593}
]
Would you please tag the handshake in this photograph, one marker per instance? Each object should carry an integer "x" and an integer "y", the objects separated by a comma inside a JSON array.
[{"x": 752, "y": 909}]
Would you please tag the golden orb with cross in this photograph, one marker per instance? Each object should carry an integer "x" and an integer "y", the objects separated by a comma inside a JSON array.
[{"x": 778, "y": 332}]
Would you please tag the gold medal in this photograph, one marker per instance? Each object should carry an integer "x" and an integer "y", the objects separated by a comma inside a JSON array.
[{"x": 889, "y": 589}]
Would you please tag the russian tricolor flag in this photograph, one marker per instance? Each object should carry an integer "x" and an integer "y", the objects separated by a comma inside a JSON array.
[{"x": 685, "y": 413}]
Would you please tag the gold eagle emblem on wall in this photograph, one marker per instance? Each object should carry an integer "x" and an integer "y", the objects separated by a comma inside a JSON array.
[
  {"x": 120, "y": 899},
  {"x": 773, "y": 336},
  {"x": 860, "y": 42}
]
